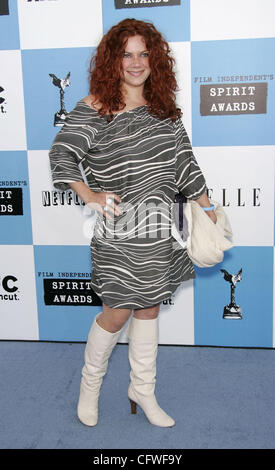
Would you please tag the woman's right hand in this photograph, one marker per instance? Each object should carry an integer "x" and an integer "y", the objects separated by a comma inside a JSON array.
[
  {"x": 104, "y": 202},
  {"x": 97, "y": 200}
]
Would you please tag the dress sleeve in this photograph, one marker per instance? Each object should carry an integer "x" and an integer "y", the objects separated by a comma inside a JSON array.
[
  {"x": 69, "y": 150},
  {"x": 189, "y": 178}
]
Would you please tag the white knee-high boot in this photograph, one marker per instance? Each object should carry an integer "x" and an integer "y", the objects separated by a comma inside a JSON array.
[
  {"x": 143, "y": 348},
  {"x": 99, "y": 347}
]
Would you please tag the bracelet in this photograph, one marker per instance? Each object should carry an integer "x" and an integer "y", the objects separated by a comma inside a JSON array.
[{"x": 211, "y": 208}]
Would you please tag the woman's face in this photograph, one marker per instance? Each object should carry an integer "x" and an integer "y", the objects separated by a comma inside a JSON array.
[{"x": 135, "y": 62}]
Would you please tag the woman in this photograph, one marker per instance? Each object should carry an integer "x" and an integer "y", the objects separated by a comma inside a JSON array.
[{"x": 135, "y": 154}]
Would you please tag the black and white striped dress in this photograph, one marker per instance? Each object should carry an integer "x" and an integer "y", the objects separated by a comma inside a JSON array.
[{"x": 136, "y": 262}]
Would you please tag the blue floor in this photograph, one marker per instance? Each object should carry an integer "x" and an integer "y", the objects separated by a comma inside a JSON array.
[{"x": 221, "y": 398}]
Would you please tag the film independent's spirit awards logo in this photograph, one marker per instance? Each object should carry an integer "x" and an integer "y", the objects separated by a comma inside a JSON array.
[
  {"x": 233, "y": 98},
  {"x": 68, "y": 289},
  {"x": 232, "y": 311},
  {"x": 41, "y": 1},
  {"x": 60, "y": 83},
  {"x": 4, "y": 7},
  {"x": 2, "y": 101},
  {"x": 11, "y": 200},
  {"x": 145, "y": 3}
]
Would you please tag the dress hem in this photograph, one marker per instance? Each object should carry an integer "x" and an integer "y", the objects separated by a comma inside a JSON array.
[{"x": 133, "y": 306}]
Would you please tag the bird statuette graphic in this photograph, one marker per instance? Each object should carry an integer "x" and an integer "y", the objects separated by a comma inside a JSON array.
[
  {"x": 232, "y": 310},
  {"x": 233, "y": 278},
  {"x": 60, "y": 83}
]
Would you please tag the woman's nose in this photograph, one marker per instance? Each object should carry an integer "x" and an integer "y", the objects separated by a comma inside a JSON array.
[{"x": 136, "y": 61}]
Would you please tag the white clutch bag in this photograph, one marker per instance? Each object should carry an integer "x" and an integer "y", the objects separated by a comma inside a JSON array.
[{"x": 205, "y": 241}]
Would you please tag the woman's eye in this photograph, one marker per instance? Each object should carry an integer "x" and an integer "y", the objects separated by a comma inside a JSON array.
[{"x": 127, "y": 55}]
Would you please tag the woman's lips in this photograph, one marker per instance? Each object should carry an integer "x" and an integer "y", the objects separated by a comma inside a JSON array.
[{"x": 135, "y": 73}]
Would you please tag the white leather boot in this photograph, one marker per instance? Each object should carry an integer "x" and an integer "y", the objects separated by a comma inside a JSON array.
[
  {"x": 143, "y": 348},
  {"x": 99, "y": 347}
]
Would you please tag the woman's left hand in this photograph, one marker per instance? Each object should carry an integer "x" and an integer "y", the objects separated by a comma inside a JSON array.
[{"x": 203, "y": 201}]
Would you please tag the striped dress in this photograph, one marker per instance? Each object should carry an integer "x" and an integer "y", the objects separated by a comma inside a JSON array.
[{"x": 136, "y": 262}]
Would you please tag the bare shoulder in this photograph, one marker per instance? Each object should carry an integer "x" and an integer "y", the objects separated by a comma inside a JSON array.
[{"x": 90, "y": 100}]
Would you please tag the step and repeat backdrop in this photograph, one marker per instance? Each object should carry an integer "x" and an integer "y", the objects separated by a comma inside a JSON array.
[{"x": 225, "y": 66}]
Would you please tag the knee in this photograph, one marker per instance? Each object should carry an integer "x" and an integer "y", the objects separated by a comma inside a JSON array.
[
  {"x": 147, "y": 313},
  {"x": 116, "y": 325},
  {"x": 111, "y": 326},
  {"x": 113, "y": 321}
]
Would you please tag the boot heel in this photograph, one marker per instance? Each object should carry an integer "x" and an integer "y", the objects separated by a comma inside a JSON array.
[{"x": 133, "y": 407}]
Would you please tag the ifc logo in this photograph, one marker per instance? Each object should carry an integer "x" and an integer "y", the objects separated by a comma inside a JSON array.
[{"x": 9, "y": 287}]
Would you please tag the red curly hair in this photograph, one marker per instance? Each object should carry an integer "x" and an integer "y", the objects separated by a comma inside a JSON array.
[{"x": 106, "y": 68}]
